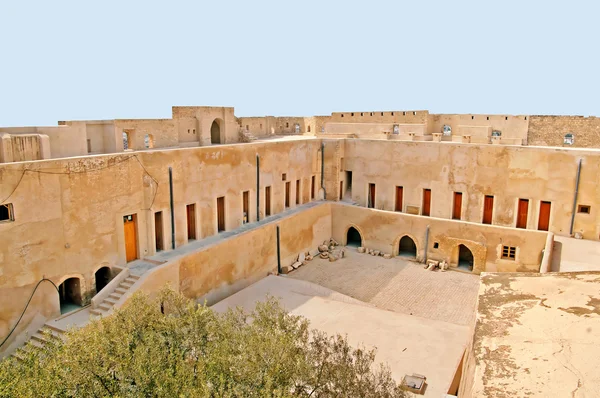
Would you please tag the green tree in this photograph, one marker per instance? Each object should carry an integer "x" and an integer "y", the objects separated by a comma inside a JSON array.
[{"x": 168, "y": 346}]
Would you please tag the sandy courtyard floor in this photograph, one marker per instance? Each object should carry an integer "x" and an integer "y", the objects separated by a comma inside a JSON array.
[{"x": 397, "y": 285}]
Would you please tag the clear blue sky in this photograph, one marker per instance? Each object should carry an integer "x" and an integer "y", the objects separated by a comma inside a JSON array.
[{"x": 67, "y": 60}]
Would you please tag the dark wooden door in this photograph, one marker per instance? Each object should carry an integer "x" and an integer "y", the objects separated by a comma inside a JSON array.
[
  {"x": 456, "y": 211},
  {"x": 399, "y": 198},
  {"x": 191, "y": 221},
  {"x": 426, "y": 202},
  {"x": 488, "y": 208},
  {"x": 158, "y": 231},
  {"x": 522, "y": 213},
  {"x": 246, "y": 206},
  {"x": 544, "y": 221},
  {"x": 341, "y": 190},
  {"x": 312, "y": 187},
  {"x": 221, "y": 214},
  {"x": 130, "y": 226},
  {"x": 297, "y": 192},
  {"x": 287, "y": 194},
  {"x": 371, "y": 196},
  {"x": 267, "y": 201}
]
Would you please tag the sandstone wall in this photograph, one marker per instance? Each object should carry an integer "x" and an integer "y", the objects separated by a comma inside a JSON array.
[{"x": 551, "y": 130}]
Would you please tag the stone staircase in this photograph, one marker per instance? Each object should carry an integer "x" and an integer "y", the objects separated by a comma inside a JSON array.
[
  {"x": 39, "y": 339},
  {"x": 108, "y": 303}
]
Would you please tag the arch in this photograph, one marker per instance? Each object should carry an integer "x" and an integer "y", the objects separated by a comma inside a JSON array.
[
  {"x": 465, "y": 258},
  {"x": 215, "y": 131},
  {"x": 126, "y": 140},
  {"x": 407, "y": 247},
  {"x": 102, "y": 277},
  {"x": 149, "y": 141},
  {"x": 70, "y": 294},
  {"x": 353, "y": 237},
  {"x": 447, "y": 130}
]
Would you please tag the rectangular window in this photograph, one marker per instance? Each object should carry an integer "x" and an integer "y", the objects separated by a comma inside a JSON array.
[
  {"x": 522, "y": 212},
  {"x": 457, "y": 209},
  {"x": 341, "y": 190},
  {"x": 584, "y": 209},
  {"x": 221, "y": 214},
  {"x": 399, "y": 198},
  {"x": 312, "y": 187},
  {"x": 267, "y": 201},
  {"x": 245, "y": 207},
  {"x": 426, "y": 208},
  {"x": 283, "y": 177},
  {"x": 191, "y": 221},
  {"x": 287, "y": 194},
  {"x": 488, "y": 208},
  {"x": 297, "y": 192},
  {"x": 89, "y": 145},
  {"x": 544, "y": 220},
  {"x": 349, "y": 182},
  {"x": 509, "y": 252},
  {"x": 371, "y": 198},
  {"x": 6, "y": 212}
]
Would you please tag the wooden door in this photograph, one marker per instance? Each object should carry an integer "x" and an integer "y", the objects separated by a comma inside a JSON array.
[
  {"x": 522, "y": 213},
  {"x": 399, "y": 198},
  {"x": 341, "y": 190},
  {"x": 267, "y": 201},
  {"x": 297, "y": 192},
  {"x": 456, "y": 211},
  {"x": 246, "y": 206},
  {"x": 426, "y": 202},
  {"x": 158, "y": 231},
  {"x": 287, "y": 194},
  {"x": 221, "y": 214},
  {"x": 488, "y": 208},
  {"x": 371, "y": 196},
  {"x": 544, "y": 221},
  {"x": 191, "y": 221},
  {"x": 312, "y": 187},
  {"x": 130, "y": 226}
]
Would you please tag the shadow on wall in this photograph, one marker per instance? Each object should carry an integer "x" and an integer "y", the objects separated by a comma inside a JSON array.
[{"x": 556, "y": 256}]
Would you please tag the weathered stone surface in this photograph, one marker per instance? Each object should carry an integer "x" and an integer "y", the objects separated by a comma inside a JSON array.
[
  {"x": 308, "y": 258},
  {"x": 304, "y": 262},
  {"x": 432, "y": 262},
  {"x": 332, "y": 259},
  {"x": 296, "y": 264},
  {"x": 323, "y": 248},
  {"x": 324, "y": 255},
  {"x": 387, "y": 256},
  {"x": 376, "y": 253},
  {"x": 286, "y": 269},
  {"x": 360, "y": 249},
  {"x": 301, "y": 257}
]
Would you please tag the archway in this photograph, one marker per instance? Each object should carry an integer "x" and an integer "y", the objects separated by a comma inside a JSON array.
[
  {"x": 353, "y": 237},
  {"x": 407, "y": 247},
  {"x": 215, "y": 132},
  {"x": 70, "y": 295},
  {"x": 102, "y": 277},
  {"x": 465, "y": 258}
]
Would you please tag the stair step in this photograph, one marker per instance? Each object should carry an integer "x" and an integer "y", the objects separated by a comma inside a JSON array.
[
  {"x": 126, "y": 284},
  {"x": 130, "y": 280},
  {"x": 110, "y": 301},
  {"x": 51, "y": 333},
  {"x": 18, "y": 356},
  {"x": 34, "y": 343},
  {"x": 97, "y": 312},
  {"x": 54, "y": 328},
  {"x": 39, "y": 337},
  {"x": 115, "y": 296},
  {"x": 136, "y": 277},
  {"x": 105, "y": 307},
  {"x": 121, "y": 290}
]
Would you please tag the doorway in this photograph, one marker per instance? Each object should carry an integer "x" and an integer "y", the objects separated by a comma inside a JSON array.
[
  {"x": 215, "y": 133},
  {"x": 399, "y": 199},
  {"x": 130, "y": 227},
  {"x": 191, "y": 221},
  {"x": 349, "y": 183},
  {"x": 353, "y": 238},
  {"x": 221, "y": 214},
  {"x": 544, "y": 220},
  {"x": 298, "y": 192},
  {"x": 426, "y": 210},
  {"x": 407, "y": 247},
  {"x": 267, "y": 201},
  {"x": 102, "y": 277},
  {"x": 465, "y": 258},
  {"x": 158, "y": 232},
  {"x": 371, "y": 198},
  {"x": 287, "y": 194},
  {"x": 70, "y": 295},
  {"x": 522, "y": 213},
  {"x": 246, "y": 207}
]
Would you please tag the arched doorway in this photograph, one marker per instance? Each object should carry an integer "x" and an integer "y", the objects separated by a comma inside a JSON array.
[
  {"x": 102, "y": 277},
  {"x": 215, "y": 132},
  {"x": 465, "y": 258},
  {"x": 70, "y": 295},
  {"x": 407, "y": 247},
  {"x": 353, "y": 237}
]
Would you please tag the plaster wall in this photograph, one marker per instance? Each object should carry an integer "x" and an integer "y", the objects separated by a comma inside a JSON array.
[
  {"x": 511, "y": 127},
  {"x": 506, "y": 172}
]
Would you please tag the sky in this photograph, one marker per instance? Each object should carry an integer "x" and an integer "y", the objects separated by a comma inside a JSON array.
[{"x": 78, "y": 60}]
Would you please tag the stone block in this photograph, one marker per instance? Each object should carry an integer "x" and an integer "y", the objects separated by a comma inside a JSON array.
[
  {"x": 296, "y": 264},
  {"x": 286, "y": 269}
]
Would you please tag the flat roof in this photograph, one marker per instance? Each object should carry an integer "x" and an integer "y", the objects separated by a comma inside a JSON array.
[
  {"x": 408, "y": 344},
  {"x": 537, "y": 336}
]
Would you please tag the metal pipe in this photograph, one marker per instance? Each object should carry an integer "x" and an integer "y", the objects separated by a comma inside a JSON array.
[
  {"x": 323, "y": 170},
  {"x": 575, "y": 198},
  {"x": 257, "y": 189},
  {"x": 278, "y": 253},
  {"x": 426, "y": 242},
  {"x": 172, "y": 208}
]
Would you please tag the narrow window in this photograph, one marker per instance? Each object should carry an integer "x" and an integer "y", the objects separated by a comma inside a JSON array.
[
  {"x": 261, "y": 126},
  {"x": 392, "y": 113},
  {"x": 414, "y": 113},
  {"x": 506, "y": 118},
  {"x": 191, "y": 221},
  {"x": 349, "y": 182},
  {"x": 89, "y": 145},
  {"x": 312, "y": 187},
  {"x": 399, "y": 198},
  {"x": 381, "y": 113},
  {"x": 287, "y": 194},
  {"x": 584, "y": 209},
  {"x": 193, "y": 131},
  {"x": 522, "y": 213},
  {"x": 188, "y": 131},
  {"x": 352, "y": 114},
  {"x": 287, "y": 125},
  {"x": 426, "y": 209},
  {"x": 487, "y": 118},
  {"x": 371, "y": 198},
  {"x": 371, "y": 113},
  {"x": 509, "y": 252},
  {"x": 436, "y": 245},
  {"x": 457, "y": 208},
  {"x": 297, "y": 192},
  {"x": 245, "y": 207},
  {"x": 6, "y": 213},
  {"x": 341, "y": 190},
  {"x": 309, "y": 128},
  {"x": 247, "y": 128},
  {"x": 488, "y": 208},
  {"x": 361, "y": 114},
  {"x": 221, "y": 214},
  {"x": 342, "y": 115},
  {"x": 472, "y": 117},
  {"x": 283, "y": 177},
  {"x": 267, "y": 201},
  {"x": 544, "y": 219}
]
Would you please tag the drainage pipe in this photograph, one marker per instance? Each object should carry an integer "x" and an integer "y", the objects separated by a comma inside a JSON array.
[
  {"x": 323, "y": 170},
  {"x": 426, "y": 242},
  {"x": 575, "y": 198},
  {"x": 257, "y": 189},
  {"x": 172, "y": 208},
  {"x": 278, "y": 253}
]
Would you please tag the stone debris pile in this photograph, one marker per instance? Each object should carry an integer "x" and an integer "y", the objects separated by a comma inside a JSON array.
[{"x": 374, "y": 252}]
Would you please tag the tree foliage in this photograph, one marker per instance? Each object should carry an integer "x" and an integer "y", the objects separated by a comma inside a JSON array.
[{"x": 168, "y": 346}]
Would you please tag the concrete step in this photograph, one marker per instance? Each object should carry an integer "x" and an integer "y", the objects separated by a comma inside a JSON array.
[
  {"x": 125, "y": 284},
  {"x": 130, "y": 280},
  {"x": 104, "y": 306},
  {"x": 54, "y": 328},
  {"x": 115, "y": 296},
  {"x": 135, "y": 277},
  {"x": 110, "y": 301},
  {"x": 121, "y": 290},
  {"x": 43, "y": 339},
  {"x": 97, "y": 312}
]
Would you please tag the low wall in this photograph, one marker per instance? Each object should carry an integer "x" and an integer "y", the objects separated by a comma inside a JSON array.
[{"x": 382, "y": 230}]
